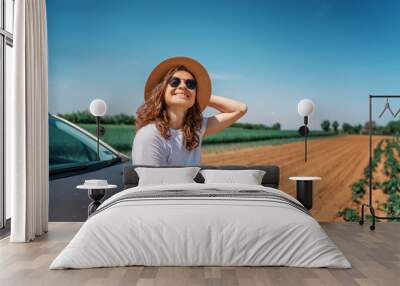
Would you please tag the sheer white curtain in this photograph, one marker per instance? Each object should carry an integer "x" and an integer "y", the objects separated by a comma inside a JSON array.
[{"x": 27, "y": 123}]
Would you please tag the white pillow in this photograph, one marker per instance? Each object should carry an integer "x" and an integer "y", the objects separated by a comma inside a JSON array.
[
  {"x": 250, "y": 177},
  {"x": 163, "y": 176}
]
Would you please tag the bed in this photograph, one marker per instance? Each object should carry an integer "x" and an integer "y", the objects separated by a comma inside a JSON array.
[{"x": 201, "y": 224}]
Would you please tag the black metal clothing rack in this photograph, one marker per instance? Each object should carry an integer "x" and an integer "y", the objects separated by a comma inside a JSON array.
[{"x": 369, "y": 205}]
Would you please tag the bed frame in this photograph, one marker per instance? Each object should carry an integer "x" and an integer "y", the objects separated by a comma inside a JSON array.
[{"x": 270, "y": 179}]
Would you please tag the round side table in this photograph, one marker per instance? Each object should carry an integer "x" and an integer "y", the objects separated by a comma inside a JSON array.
[
  {"x": 95, "y": 193},
  {"x": 304, "y": 189}
]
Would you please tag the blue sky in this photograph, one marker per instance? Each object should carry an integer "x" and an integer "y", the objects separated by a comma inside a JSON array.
[{"x": 268, "y": 54}]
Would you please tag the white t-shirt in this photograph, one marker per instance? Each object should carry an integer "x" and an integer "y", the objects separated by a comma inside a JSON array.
[{"x": 150, "y": 148}]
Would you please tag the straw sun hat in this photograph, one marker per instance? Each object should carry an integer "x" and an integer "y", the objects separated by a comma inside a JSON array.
[{"x": 203, "y": 90}]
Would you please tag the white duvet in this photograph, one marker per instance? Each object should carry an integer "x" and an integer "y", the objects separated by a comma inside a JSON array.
[{"x": 200, "y": 231}]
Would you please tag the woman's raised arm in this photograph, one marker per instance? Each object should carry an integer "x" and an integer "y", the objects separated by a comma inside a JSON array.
[{"x": 231, "y": 110}]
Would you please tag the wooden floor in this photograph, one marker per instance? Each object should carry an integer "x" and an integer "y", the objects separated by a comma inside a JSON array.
[{"x": 374, "y": 255}]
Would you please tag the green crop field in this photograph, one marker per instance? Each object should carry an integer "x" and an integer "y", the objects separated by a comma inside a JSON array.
[
  {"x": 118, "y": 136},
  {"x": 121, "y": 137}
]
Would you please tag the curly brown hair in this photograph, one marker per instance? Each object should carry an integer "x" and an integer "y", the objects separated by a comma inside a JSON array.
[{"x": 155, "y": 110}]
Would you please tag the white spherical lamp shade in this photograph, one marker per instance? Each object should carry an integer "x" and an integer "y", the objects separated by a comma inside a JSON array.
[
  {"x": 98, "y": 107},
  {"x": 305, "y": 107}
]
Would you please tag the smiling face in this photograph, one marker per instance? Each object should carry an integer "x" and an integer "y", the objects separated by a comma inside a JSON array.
[{"x": 180, "y": 96}]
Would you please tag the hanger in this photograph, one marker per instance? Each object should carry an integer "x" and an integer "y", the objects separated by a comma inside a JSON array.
[
  {"x": 387, "y": 106},
  {"x": 398, "y": 111}
]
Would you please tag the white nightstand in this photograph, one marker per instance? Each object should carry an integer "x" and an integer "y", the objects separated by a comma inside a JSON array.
[
  {"x": 96, "y": 191},
  {"x": 304, "y": 189}
]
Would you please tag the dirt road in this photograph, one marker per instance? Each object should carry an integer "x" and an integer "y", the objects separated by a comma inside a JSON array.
[{"x": 339, "y": 161}]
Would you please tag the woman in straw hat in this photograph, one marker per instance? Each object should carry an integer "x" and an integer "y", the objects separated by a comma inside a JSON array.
[{"x": 169, "y": 124}]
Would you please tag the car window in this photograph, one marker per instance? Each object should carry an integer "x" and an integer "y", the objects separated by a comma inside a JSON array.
[{"x": 69, "y": 147}]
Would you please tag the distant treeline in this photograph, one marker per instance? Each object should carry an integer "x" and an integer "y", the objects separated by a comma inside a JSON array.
[
  {"x": 346, "y": 127},
  {"x": 85, "y": 117},
  {"x": 275, "y": 126},
  {"x": 393, "y": 127}
]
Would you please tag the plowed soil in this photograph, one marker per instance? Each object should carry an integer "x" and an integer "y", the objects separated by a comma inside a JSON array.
[{"x": 339, "y": 161}]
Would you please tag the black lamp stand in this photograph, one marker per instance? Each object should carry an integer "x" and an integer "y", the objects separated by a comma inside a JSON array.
[
  {"x": 98, "y": 135},
  {"x": 303, "y": 130}
]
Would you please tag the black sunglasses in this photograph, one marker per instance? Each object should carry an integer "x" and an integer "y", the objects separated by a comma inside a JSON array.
[{"x": 176, "y": 81}]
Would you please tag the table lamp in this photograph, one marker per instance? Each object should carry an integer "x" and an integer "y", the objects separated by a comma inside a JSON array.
[
  {"x": 98, "y": 108},
  {"x": 305, "y": 107}
]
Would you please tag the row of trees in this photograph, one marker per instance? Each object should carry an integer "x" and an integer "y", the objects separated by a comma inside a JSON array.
[
  {"x": 275, "y": 126},
  {"x": 85, "y": 117},
  {"x": 346, "y": 127},
  {"x": 393, "y": 127}
]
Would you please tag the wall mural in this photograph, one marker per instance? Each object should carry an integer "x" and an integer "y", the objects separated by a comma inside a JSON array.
[{"x": 267, "y": 56}]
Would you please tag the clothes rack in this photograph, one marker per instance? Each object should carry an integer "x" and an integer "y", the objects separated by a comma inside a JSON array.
[{"x": 369, "y": 205}]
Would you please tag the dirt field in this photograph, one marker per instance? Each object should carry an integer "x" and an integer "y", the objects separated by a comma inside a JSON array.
[{"x": 340, "y": 162}]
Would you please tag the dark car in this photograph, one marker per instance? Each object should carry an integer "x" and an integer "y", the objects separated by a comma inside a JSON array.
[{"x": 72, "y": 160}]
